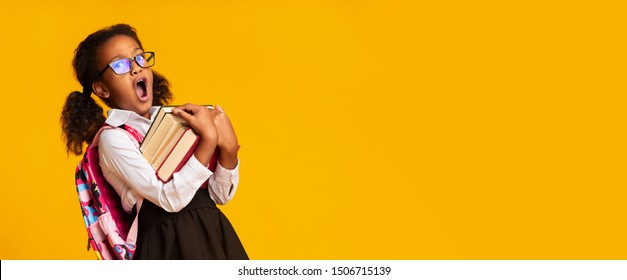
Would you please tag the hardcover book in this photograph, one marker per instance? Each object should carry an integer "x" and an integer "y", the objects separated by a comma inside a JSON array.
[{"x": 169, "y": 143}]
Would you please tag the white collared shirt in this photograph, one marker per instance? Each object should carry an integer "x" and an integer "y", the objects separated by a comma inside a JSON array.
[{"x": 124, "y": 167}]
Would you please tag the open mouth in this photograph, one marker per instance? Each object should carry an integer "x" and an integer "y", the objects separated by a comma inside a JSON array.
[{"x": 141, "y": 89}]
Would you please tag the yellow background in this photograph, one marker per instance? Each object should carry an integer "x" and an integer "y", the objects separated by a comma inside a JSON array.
[{"x": 369, "y": 129}]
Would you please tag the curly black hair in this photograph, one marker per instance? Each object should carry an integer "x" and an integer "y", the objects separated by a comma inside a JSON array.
[{"x": 82, "y": 116}]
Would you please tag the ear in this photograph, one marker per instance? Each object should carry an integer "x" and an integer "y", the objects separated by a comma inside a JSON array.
[{"x": 100, "y": 89}]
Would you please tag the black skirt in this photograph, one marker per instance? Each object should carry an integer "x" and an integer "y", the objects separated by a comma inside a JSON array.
[{"x": 200, "y": 231}]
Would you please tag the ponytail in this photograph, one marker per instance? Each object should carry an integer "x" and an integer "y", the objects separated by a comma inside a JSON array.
[{"x": 80, "y": 120}]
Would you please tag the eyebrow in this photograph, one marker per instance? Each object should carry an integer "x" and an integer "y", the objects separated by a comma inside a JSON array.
[{"x": 121, "y": 56}]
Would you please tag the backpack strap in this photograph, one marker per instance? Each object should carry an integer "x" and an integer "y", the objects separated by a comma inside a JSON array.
[{"x": 130, "y": 131}]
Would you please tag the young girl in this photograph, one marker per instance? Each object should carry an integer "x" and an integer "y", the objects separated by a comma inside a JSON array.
[{"x": 177, "y": 219}]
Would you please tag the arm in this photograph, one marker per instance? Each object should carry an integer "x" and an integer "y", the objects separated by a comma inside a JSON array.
[{"x": 223, "y": 183}]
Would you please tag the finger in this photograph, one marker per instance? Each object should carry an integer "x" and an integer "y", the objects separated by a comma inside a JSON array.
[
  {"x": 191, "y": 108},
  {"x": 204, "y": 111},
  {"x": 219, "y": 108},
  {"x": 182, "y": 114}
]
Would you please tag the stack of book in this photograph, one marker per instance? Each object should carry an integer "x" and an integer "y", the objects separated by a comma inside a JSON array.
[{"x": 169, "y": 143}]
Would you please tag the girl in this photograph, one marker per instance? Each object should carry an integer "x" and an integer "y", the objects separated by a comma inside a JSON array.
[{"x": 177, "y": 219}]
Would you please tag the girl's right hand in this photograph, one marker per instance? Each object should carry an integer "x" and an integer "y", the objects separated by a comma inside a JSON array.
[{"x": 201, "y": 121}]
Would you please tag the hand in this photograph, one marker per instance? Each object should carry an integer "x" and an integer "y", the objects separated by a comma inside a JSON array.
[
  {"x": 227, "y": 140},
  {"x": 201, "y": 121}
]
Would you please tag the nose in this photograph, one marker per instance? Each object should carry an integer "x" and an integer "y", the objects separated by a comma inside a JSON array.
[{"x": 136, "y": 69}]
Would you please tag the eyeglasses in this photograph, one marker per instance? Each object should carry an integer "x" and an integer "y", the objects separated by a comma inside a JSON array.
[{"x": 124, "y": 65}]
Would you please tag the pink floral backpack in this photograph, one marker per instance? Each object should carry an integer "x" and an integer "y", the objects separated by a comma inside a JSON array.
[{"x": 111, "y": 231}]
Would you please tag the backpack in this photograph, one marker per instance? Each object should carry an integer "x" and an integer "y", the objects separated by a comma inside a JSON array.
[{"x": 111, "y": 231}]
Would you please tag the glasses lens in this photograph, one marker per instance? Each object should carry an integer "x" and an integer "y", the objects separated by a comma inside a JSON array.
[
  {"x": 121, "y": 66},
  {"x": 146, "y": 59}
]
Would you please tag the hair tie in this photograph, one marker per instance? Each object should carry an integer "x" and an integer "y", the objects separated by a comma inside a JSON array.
[{"x": 87, "y": 91}]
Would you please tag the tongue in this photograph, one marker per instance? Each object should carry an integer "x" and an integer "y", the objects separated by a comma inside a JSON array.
[{"x": 141, "y": 92}]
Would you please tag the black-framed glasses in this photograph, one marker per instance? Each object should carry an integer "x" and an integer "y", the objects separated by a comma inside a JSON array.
[{"x": 125, "y": 65}]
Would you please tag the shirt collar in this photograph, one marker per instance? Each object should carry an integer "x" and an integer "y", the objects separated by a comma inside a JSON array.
[{"x": 117, "y": 117}]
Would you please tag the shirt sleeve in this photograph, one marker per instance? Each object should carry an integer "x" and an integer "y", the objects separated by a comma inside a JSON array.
[
  {"x": 130, "y": 174},
  {"x": 223, "y": 184}
]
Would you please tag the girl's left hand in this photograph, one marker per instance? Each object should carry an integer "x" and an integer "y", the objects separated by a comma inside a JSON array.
[{"x": 227, "y": 140}]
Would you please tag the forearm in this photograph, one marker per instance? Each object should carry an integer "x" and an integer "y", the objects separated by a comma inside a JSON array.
[
  {"x": 228, "y": 159},
  {"x": 205, "y": 149}
]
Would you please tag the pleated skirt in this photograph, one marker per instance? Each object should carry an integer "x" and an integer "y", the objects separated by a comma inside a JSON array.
[{"x": 198, "y": 232}]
